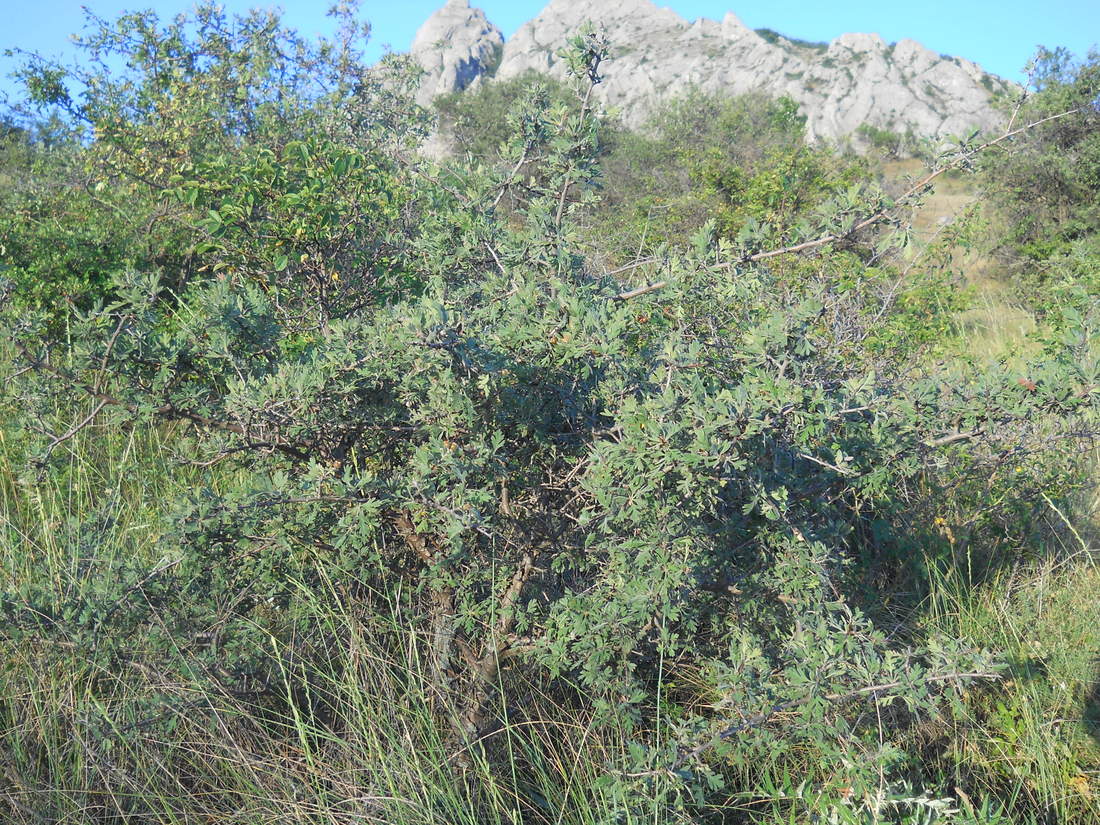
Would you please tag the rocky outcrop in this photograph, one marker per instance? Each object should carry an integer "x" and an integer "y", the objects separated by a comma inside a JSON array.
[
  {"x": 456, "y": 46},
  {"x": 857, "y": 79}
]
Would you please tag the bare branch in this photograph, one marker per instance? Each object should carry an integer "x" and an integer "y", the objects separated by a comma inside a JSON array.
[
  {"x": 951, "y": 438},
  {"x": 58, "y": 440},
  {"x": 642, "y": 290},
  {"x": 98, "y": 383},
  {"x": 511, "y": 176}
]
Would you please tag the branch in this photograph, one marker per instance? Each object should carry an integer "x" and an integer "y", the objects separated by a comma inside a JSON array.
[
  {"x": 413, "y": 539},
  {"x": 827, "y": 465},
  {"x": 951, "y": 438},
  {"x": 511, "y": 176},
  {"x": 493, "y": 252},
  {"x": 167, "y": 410},
  {"x": 485, "y": 669},
  {"x": 97, "y": 385},
  {"x": 442, "y": 612},
  {"x": 593, "y": 79},
  {"x": 58, "y": 440},
  {"x": 870, "y": 220},
  {"x": 642, "y": 290}
]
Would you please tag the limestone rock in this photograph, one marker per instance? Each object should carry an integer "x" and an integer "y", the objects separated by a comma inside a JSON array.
[
  {"x": 455, "y": 47},
  {"x": 857, "y": 79}
]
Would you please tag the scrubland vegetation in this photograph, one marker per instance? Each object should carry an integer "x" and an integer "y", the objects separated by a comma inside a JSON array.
[{"x": 584, "y": 476}]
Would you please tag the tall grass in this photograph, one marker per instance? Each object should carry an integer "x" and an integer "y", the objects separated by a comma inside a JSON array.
[
  {"x": 1033, "y": 743},
  {"x": 360, "y": 740}
]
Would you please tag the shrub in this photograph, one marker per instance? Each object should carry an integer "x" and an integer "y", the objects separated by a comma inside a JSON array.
[
  {"x": 1044, "y": 190},
  {"x": 739, "y": 161},
  {"x": 199, "y": 97},
  {"x": 668, "y": 496},
  {"x": 479, "y": 120}
]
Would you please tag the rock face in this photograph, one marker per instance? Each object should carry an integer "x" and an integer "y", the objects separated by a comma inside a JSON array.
[
  {"x": 456, "y": 46},
  {"x": 857, "y": 79}
]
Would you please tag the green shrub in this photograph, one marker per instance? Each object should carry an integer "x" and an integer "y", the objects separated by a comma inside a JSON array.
[
  {"x": 119, "y": 188},
  {"x": 740, "y": 161},
  {"x": 773, "y": 37},
  {"x": 62, "y": 233},
  {"x": 669, "y": 502},
  {"x": 479, "y": 121},
  {"x": 1045, "y": 189},
  {"x": 892, "y": 144}
]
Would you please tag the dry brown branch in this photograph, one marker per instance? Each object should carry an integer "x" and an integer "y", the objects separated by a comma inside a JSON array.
[
  {"x": 642, "y": 290},
  {"x": 951, "y": 438}
]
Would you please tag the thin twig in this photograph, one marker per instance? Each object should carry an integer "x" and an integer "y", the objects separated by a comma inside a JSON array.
[
  {"x": 493, "y": 252},
  {"x": 883, "y": 213},
  {"x": 593, "y": 79},
  {"x": 58, "y": 440},
  {"x": 630, "y": 266},
  {"x": 826, "y": 464},
  {"x": 511, "y": 176},
  {"x": 97, "y": 385}
]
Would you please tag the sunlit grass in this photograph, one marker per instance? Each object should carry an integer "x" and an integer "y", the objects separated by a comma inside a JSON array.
[
  {"x": 1033, "y": 742},
  {"x": 362, "y": 740}
]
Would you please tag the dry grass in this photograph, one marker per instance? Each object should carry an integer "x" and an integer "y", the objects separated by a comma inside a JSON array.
[{"x": 996, "y": 326}]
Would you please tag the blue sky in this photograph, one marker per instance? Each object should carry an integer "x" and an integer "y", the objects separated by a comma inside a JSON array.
[{"x": 1001, "y": 36}]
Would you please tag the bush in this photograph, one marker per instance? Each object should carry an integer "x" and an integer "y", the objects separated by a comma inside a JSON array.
[
  {"x": 62, "y": 233},
  {"x": 479, "y": 121},
  {"x": 667, "y": 502},
  {"x": 741, "y": 162},
  {"x": 123, "y": 180},
  {"x": 1044, "y": 190},
  {"x": 892, "y": 144}
]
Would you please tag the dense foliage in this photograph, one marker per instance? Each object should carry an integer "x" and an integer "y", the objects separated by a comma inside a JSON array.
[
  {"x": 739, "y": 162},
  {"x": 481, "y": 121},
  {"x": 1045, "y": 191},
  {"x": 411, "y": 397}
]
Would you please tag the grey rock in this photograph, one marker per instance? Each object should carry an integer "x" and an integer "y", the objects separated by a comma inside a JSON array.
[
  {"x": 856, "y": 79},
  {"x": 456, "y": 46}
]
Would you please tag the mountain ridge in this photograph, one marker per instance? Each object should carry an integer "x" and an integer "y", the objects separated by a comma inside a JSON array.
[{"x": 853, "y": 80}]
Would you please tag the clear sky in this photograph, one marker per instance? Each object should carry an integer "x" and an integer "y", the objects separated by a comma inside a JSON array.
[{"x": 1001, "y": 36}]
